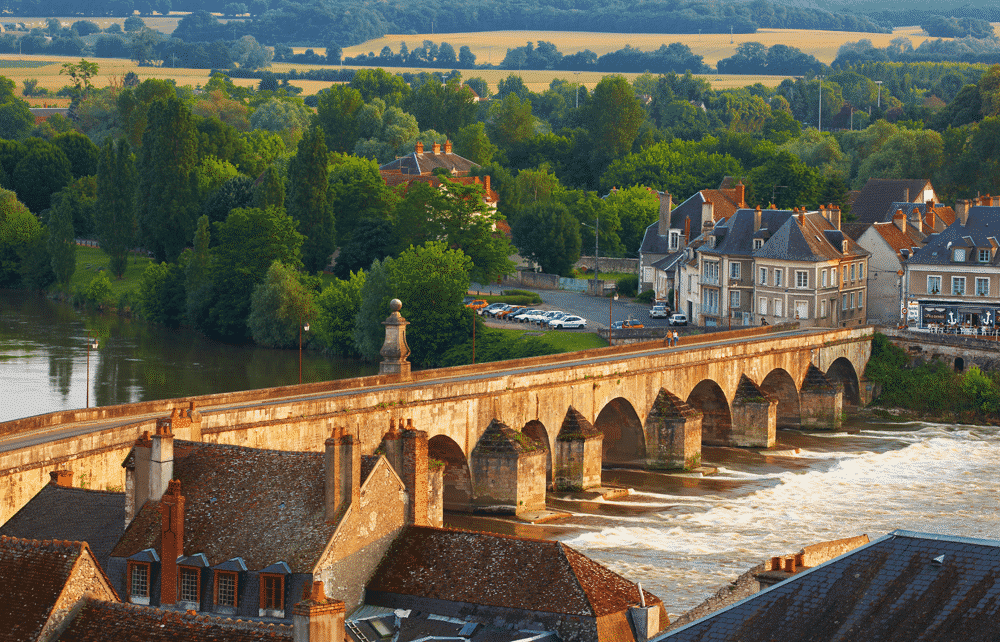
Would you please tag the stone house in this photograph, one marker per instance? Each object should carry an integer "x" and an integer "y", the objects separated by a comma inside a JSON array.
[
  {"x": 879, "y": 199},
  {"x": 954, "y": 279},
  {"x": 889, "y": 244},
  {"x": 419, "y": 165},
  {"x": 515, "y": 582},
  {"x": 245, "y": 529}
]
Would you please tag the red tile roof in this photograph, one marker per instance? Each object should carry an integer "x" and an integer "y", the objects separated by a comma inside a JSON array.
[
  {"x": 100, "y": 621},
  {"x": 895, "y": 238},
  {"x": 502, "y": 571}
]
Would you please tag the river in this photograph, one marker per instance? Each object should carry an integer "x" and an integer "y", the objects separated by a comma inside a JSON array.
[{"x": 683, "y": 537}]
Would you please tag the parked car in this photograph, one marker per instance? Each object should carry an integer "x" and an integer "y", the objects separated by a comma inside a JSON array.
[
  {"x": 518, "y": 315},
  {"x": 488, "y": 310},
  {"x": 534, "y": 316},
  {"x": 628, "y": 324},
  {"x": 497, "y": 311},
  {"x": 548, "y": 316},
  {"x": 568, "y": 321},
  {"x": 659, "y": 311},
  {"x": 502, "y": 314},
  {"x": 678, "y": 318}
]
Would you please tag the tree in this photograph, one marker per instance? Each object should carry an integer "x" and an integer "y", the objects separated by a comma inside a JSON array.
[
  {"x": 336, "y": 113},
  {"x": 16, "y": 119},
  {"x": 473, "y": 143},
  {"x": 270, "y": 191},
  {"x": 250, "y": 54},
  {"x": 309, "y": 200},
  {"x": 280, "y": 305},
  {"x": 678, "y": 167},
  {"x": 234, "y": 193},
  {"x": 18, "y": 228},
  {"x": 613, "y": 115},
  {"x": 62, "y": 244},
  {"x": 358, "y": 192},
  {"x": 637, "y": 208},
  {"x": 278, "y": 114},
  {"x": 167, "y": 195},
  {"x": 510, "y": 122},
  {"x": 249, "y": 241},
  {"x": 134, "y": 23},
  {"x": 80, "y": 150},
  {"x": 161, "y": 293},
  {"x": 80, "y": 198},
  {"x": 116, "y": 203},
  {"x": 549, "y": 235},
  {"x": 338, "y": 307},
  {"x": 42, "y": 171},
  {"x": 466, "y": 59},
  {"x": 142, "y": 46},
  {"x": 373, "y": 240},
  {"x": 803, "y": 184},
  {"x": 80, "y": 73}
]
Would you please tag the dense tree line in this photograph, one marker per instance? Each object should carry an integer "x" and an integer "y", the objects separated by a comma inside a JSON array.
[{"x": 967, "y": 49}]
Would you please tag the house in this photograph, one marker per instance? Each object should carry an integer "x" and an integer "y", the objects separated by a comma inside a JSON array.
[
  {"x": 420, "y": 165},
  {"x": 890, "y": 245},
  {"x": 903, "y": 586},
  {"x": 954, "y": 279},
  {"x": 61, "y": 512},
  {"x": 239, "y": 531},
  {"x": 677, "y": 226},
  {"x": 515, "y": 582},
  {"x": 879, "y": 199}
]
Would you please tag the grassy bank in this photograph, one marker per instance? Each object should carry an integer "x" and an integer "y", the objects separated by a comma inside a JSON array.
[{"x": 90, "y": 261}]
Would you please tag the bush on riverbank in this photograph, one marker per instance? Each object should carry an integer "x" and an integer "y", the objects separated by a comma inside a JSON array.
[{"x": 932, "y": 389}]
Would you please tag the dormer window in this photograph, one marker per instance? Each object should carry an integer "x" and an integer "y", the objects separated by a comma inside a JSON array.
[
  {"x": 189, "y": 580},
  {"x": 843, "y": 246},
  {"x": 272, "y": 590},
  {"x": 675, "y": 239},
  {"x": 139, "y": 571},
  {"x": 758, "y": 243},
  {"x": 958, "y": 255},
  {"x": 984, "y": 256},
  {"x": 226, "y": 589}
]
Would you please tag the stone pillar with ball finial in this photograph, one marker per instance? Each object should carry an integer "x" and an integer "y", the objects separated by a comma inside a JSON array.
[{"x": 395, "y": 351}]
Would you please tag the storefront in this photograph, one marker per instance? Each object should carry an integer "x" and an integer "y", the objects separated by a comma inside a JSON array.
[{"x": 951, "y": 315}]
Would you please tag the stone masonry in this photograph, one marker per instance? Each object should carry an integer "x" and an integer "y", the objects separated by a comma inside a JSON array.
[
  {"x": 578, "y": 453},
  {"x": 508, "y": 471},
  {"x": 677, "y": 430},
  {"x": 755, "y": 416},
  {"x": 820, "y": 402}
]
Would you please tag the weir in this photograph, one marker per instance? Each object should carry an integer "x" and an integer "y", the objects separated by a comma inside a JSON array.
[{"x": 646, "y": 405}]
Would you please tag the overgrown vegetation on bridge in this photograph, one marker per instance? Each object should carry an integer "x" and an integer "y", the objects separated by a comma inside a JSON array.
[{"x": 933, "y": 390}]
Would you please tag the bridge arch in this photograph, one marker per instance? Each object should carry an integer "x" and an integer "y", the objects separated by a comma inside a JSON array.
[
  {"x": 717, "y": 421},
  {"x": 780, "y": 385},
  {"x": 842, "y": 372},
  {"x": 457, "y": 476},
  {"x": 624, "y": 439},
  {"x": 536, "y": 430}
]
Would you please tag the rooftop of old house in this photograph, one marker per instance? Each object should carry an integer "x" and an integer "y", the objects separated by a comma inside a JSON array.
[
  {"x": 264, "y": 506},
  {"x": 809, "y": 236},
  {"x": 502, "y": 571},
  {"x": 903, "y": 586},
  {"x": 76, "y": 514},
  {"x": 873, "y": 202},
  {"x": 413, "y": 626},
  {"x": 100, "y": 621}
]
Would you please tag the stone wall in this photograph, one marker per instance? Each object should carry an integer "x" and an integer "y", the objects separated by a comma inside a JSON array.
[
  {"x": 609, "y": 264},
  {"x": 435, "y": 496},
  {"x": 983, "y": 352},
  {"x": 85, "y": 580}
]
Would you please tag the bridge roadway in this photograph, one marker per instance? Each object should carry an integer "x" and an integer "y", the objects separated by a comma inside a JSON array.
[{"x": 613, "y": 387}]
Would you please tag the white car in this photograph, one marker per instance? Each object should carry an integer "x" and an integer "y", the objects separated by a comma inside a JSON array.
[
  {"x": 548, "y": 316},
  {"x": 678, "y": 318},
  {"x": 659, "y": 311},
  {"x": 568, "y": 322},
  {"x": 532, "y": 317}
]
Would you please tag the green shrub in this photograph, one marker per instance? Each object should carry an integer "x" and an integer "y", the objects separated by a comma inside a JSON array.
[
  {"x": 628, "y": 285},
  {"x": 97, "y": 294},
  {"x": 646, "y": 296}
]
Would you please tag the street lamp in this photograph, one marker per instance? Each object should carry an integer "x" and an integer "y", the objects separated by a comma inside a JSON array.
[
  {"x": 301, "y": 328},
  {"x": 877, "y": 82},
  {"x": 611, "y": 301},
  {"x": 597, "y": 229},
  {"x": 92, "y": 343},
  {"x": 575, "y": 73},
  {"x": 820, "y": 125}
]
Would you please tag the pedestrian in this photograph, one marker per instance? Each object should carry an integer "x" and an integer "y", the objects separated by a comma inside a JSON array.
[{"x": 675, "y": 338}]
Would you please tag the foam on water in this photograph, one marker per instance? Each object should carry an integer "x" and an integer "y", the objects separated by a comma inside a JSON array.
[{"x": 937, "y": 479}]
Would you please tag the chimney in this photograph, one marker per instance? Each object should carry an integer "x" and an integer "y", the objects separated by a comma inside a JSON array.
[
  {"x": 741, "y": 194},
  {"x": 962, "y": 210},
  {"x": 392, "y": 446},
  {"x": 802, "y": 216},
  {"x": 927, "y": 223},
  {"x": 161, "y": 459},
  {"x": 486, "y": 181},
  {"x": 984, "y": 200},
  {"x": 707, "y": 214},
  {"x": 756, "y": 219},
  {"x": 687, "y": 230},
  {"x": 414, "y": 474},
  {"x": 899, "y": 220},
  {"x": 137, "y": 476},
  {"x": 907, "y": 195},
  {"x": 342, "y": 463},
  {"x": 317, "y": 618},
  {"x": 666, "y": 206},
  {"x": 437, "y": 148},
  {"x": 834, "y": 215},
  {"x": 645, "y": 619},
  {"x": 62, "y": 478},
  {"x": 171, "y": 541},
  {"x": 447, "y": 147},
  {"x": 419, "y": 148}
]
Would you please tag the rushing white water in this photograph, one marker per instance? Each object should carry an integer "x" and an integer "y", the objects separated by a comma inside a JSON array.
[{"x": 683, "y": 547}]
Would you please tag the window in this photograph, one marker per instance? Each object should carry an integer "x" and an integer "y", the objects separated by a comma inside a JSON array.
[
  {"x": 984, "y": 256},
  {"x": 710, "y": 303},
  {"x": 861, "y": 302},
  {"x": 852, "y": 300},
  {"x": 763, "y": 276},
  {"x": 272, "y": 592},
  {"x": 958, "y": 285},
  {"x": 982, "y": 286},
  {"x": 225, "y": 588},
  {"x": 822, "y": 306},
  {"x": 777, "y": 278},
  {"x": 833, "y": 276},
  {"x": 758, "y": 243},
  {"x": 675, "y": 239},
  {"x": 801, "y": 279},
  {"x": 843, "y": 304},
  {"x": 823, "y": 272},
  {"x": 734, "y": 298},
  {"x": 762, "y": 305},
  {"x": 735, "y": 270},
  {"x": 690, "y": 281},
  {"x": 959, "y": 255},
  {"x": 933, "y": 284},
  {"x": 777, "y": 307},
  {"x": 861, "y": 270},
  {"x": 853, "y": 267},
  {"x": 138, "y": 582},
  {"x": 190, "y": 585},
  {"x": 711, "y": 272},
  {"x": 801, "y": 309},
  {"x": 845, "y": 275}
]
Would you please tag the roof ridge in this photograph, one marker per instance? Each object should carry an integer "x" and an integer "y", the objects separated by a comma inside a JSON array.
[
  {"x": 53, "y": 545},
  {"x": 489, "y": 533},
  {"x": 200, "y": 445},
  {"x": 182, "y": 617},
  {"x": 562, "y": 548}
]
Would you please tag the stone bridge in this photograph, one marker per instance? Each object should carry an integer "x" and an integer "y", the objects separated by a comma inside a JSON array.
[{"x": 641, "y": 404}]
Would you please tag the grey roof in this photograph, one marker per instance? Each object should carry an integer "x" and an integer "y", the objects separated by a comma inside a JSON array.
[
  {"x": 982, "y": 224},
  {"x": 737, "y": 232},
  {"x": 877, "y": 196},
  {"x": 416, "y": 163},
  {"x": 74, "y": 514},
  {"x": 904, "y": 587},
  {"x": 808, "y": 237}
]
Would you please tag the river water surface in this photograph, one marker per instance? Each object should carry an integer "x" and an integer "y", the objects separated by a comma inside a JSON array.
[{"x": 682, "y": 537}]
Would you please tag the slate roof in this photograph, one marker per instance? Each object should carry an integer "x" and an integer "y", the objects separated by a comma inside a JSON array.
[
  {"x": 100, "y": 621},
  {"x": 735, "y": 235},
  {"x": 76, "y": 514},
  {"x": 415, "y": 164},
  {"x": 877, "y": 196},
  {"x": 983, "y": 223},
  {"x": 416, "y": 626},
  {"x": 724, "y": 205},
  {"x": 262, "y": 505},
  {"x": 33, "y": 575},
  {"x": 502, "y": 571},
  {"x": 892, "y": 590},
  {"x": 808, "y": 238}
]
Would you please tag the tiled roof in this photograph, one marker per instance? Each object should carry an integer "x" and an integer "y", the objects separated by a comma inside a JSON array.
[
  {"x": 100, "y": 621},
  {"x": 896, "y": 239},
  {"x": 415, "y": 163},
  {"x": 502, "y": 571},
  {"x": 983, "y": 223},
  {"x": 738, "y": 233},
  {"x": 394, "y": 178},
  {"x": 808, "y": 237},
  {"x": 904, "y": 587},
  {"x": 873, "y": 202},
  {"x": 724, "y": 204},
  {"x": 262, "y": 505},
  {"x": 62, "y": 513},
  {"x": 33, "y": 575}
]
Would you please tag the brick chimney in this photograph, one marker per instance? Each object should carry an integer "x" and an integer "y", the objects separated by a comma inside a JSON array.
[
  {"x": 707, "y": 214},
  {"x": 171, "y": 540},
  {"x": 392, "y": 445},
  {"x": 414, "y": 474},
  {"x": 447, "y": 147},
  {"x": 741, "y": 194},
  {"x": 962, "y": 209},
  {"x": 666, "y": 206},
  {"x": 62, "y": 478},
  {"x": 927, "y": 223},
  {"x": 342, "y": 459},
  {"x": 834, "y": 215},
  {"x": 437, "y": 148},
  {"x": 756, "y": 219},
  {"x": 486, "y": 181},
  {"x": 161, "y": 459},
  {"x": 419, "y": 148},
  {"x": 984, "y": 200},
  {"x": 687, "y": 230},
  {"x": 899, "y": 220},
  {"x": 318, "y": 618}
]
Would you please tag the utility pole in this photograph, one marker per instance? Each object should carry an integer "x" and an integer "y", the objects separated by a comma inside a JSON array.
[
  {"x": 879, "y": 83},
  {"x": 820, "y": 125}
]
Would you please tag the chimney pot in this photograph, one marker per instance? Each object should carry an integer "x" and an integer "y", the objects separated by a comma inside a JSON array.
[
  {"x": 437, "y": 148},
  {"x": 447, "y": 147},
  {"x": 419, "y": 148},
  {"x": 666, "y": 207},
  {"x": 61, "y": 478}
]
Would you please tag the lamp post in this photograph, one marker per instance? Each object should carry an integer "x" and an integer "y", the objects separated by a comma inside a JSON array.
[
  {"x": 92, "y": 343},
  {"x": 474, "y": 315},
  {"x": 575, "y": 73},
  {"x": 611, "y": 301},
  {"x": 301, "y": 328},
  {"x": 879, "y": 83},
  {"x": 820, "y": 125},
  {"x": 597, "y": 229}
]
